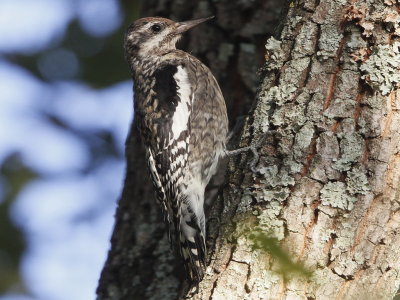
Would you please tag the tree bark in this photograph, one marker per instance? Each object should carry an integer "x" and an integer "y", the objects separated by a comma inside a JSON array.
[{"x": 328, "y": 181}]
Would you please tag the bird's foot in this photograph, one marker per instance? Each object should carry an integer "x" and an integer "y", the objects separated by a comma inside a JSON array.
[{"x": 253, "y": 148}]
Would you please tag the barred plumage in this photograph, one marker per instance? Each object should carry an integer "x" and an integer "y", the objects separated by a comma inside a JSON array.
[{"x": 182, "y": 119}]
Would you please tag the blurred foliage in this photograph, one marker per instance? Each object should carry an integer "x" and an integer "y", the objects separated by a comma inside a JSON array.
[
  {"x": 286, "y": 266},
  {"x": 14, "y": 177},
  {"x": 101, "y": 63},
  {"x": 101, "y": 59}
]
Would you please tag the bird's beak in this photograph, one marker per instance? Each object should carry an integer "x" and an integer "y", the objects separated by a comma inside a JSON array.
[{"x": 185, "y": 26}]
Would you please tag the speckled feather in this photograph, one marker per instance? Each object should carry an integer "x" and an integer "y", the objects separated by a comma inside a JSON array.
[{"x": 183, "y": 123}]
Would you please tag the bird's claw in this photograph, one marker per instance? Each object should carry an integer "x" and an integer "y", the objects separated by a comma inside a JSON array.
[{"x": 253, "y": 148}]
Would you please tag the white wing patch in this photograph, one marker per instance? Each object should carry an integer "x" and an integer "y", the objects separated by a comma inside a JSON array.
[{"x": 180, "y": 118}]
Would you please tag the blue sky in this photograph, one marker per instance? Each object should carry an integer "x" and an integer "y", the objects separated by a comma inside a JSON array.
[{"x": 66, "y": 214}]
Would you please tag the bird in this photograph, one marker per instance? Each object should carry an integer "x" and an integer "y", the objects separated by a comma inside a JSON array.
[{"x": 182, "y": 120}]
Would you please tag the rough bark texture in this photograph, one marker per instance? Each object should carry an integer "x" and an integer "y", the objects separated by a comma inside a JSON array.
[
  {"x": 140, "y": 264},
  {"x": 328, "y": 181}
]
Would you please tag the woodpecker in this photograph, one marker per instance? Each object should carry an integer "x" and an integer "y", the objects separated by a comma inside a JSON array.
[{"x": 181, "y": 117}]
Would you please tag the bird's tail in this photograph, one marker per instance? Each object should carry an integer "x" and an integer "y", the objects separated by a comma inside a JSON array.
[{"x": 192, "y": 243}]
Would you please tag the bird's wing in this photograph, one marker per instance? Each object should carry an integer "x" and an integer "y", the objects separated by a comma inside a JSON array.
[
  {"x": 167, "y": 118},
  {"x": 173, "y": 127},
  {"x": 168, "y": 160}
]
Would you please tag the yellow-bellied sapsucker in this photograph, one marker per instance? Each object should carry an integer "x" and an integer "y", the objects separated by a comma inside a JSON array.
[{"x": 182, "y": 120}]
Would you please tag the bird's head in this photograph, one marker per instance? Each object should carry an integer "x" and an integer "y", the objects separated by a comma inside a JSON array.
[{"x": 150, "y": 36}]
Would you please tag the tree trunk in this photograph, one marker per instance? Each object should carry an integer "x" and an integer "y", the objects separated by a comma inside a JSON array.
[{"x": 325, "y": 197}]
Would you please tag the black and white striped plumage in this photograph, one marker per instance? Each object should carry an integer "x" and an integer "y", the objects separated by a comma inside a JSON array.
[{"x": 182, "y": 119}]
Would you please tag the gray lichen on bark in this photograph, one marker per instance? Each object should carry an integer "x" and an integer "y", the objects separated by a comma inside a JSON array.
[
  {"x": 321, "y": 188},
  {"x": 382, "y": 69}
]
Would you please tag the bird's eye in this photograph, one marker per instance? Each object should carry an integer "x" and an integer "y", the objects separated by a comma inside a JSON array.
[{"x": 156, "y": 28}]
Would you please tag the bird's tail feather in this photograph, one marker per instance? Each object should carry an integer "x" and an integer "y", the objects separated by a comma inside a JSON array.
[
  {"x": 193, "y": 252},
  {"x": 193, "y": 246}
]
